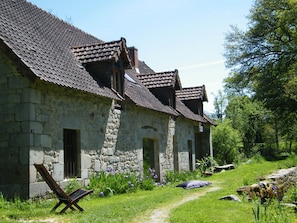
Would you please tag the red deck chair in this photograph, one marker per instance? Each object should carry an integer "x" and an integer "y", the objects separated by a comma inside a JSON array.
[{"x": 69, "y": 200}]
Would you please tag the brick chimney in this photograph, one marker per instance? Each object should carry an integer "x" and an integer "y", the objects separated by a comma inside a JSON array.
[{"x": 133, "y": 53}]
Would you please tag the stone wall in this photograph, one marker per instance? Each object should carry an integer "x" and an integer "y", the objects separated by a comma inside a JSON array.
[
  {"x": 274, "y": 185},
  {"x": 15, "y": 140},
  {"x": 93, "y": 118},
  {"x": 185, "y": 134},
  {"x": 33, "y": 116},
  {"x": 110, "y": 138},
  {"x": 139, "y": 123}
]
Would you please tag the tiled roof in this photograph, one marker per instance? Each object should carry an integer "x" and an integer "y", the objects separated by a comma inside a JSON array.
[
  {"x": 54, "y": 51},
  {"x": 141, "y": 96},
  {"x": 161, "y": 80},
  {"x": 187, "y": 113},
  {"x": 192, "y": 93},
  {"x": 144, "y": 69},
  {"x": 209, "y": 120},
  {"x": 102, "y": 51},
  {"x": 43, "y": 43}
]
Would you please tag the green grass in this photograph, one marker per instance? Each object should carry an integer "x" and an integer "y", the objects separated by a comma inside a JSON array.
[
  {"x": 133, "y": 207},
  {"x": 210, "y": 209}
]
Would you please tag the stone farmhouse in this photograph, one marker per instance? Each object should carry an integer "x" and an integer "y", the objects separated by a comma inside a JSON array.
[{"x": 81, "y": 105}]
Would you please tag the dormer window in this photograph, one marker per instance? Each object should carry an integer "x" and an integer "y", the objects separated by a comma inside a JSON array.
[
  {"x": 117, "y": 82},
  {"x": 193, "y": 98},
  {"x": 106, "y": 62},
  {"x": 163, "y": 85}
]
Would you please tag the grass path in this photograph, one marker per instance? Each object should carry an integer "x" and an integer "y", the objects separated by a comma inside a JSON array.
[{"x": 161, "y": 215}]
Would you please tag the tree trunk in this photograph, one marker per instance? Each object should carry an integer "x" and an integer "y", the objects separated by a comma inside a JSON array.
[{"x": 276, "y": 133}]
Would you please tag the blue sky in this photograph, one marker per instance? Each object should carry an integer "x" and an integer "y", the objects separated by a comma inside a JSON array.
[{"x": 187, "y": 35}]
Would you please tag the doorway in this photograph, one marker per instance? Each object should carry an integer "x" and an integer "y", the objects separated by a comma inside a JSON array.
[{"x": 150, "y": 157}]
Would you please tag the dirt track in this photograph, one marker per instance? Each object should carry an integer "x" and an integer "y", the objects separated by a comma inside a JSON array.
[{"x": 161, "y": 215}]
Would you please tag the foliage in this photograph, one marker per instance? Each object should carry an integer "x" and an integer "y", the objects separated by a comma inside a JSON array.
[
  {"x": 182, "y": 176},
  {"x": 206, "y": 164},
  {"x": 220, "y": 102},
  {"x": 263, "y": 58},
  {"x": 72, "y": 185},
  {"x": 272, "y": 211},
  {"x": 263, "y": 64},
  {"x": 247, "y": 117},
  {"x": 137, "y": 207},
  {"x": 226, "y": 142},
  {"x": 213, "y": 210},
  {"x": 110, "y": 183}
]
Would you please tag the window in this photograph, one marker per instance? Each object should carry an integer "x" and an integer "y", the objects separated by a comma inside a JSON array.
[
  {"x": 71, "y": 153},
  {"x": 190, "y": 150},
  {"x": 117, "y": 81}
]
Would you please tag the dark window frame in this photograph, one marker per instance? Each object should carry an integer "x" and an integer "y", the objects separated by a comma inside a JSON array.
[{"x": 71, "y": 153}]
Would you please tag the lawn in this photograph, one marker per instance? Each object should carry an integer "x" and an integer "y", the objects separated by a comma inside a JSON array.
[{"x": 137, "y": 207}]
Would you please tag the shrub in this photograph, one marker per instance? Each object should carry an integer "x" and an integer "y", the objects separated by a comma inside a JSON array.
[
  {"x": 72, "y": 185},
  {"x": 109, "y": 183},
  {"x": 226, "y": 143},
  {"x": 206, "y": 164},
  {"x": 106, "y": 184},
  {"x": 174, "y": 176}
]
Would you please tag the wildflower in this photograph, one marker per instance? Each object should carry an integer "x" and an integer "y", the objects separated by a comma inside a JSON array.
[
  {"x": 108, "y": 169},
  {"x": 101, "y": 194},
  {"x": 152, "y": 171}
]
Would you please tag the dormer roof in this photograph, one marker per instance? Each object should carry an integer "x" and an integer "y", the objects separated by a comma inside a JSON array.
[
  {"x": 192, "y": 93},
  {"x": 106, "y": 51},
  {"x": 141, "y": 96},
  {"x": 168, "y": 79}
]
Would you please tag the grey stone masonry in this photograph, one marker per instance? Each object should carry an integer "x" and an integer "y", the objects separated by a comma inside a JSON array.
[
  {"x": 16, "y": 112},
  {"x": 35, "y": 115}
]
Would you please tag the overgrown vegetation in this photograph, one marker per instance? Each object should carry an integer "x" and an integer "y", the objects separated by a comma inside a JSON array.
[
  {"x": 259, "y": 100},
  {"x": 136, "y": 206},
  {"x": 107, "y": 184}
]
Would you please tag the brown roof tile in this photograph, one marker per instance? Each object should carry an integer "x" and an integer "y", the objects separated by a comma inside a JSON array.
[
  {"x": 43, "y": 43},
  {"x": 102, "y": 51},
  {"x": 187, "y": 113},
  {"x": 161, "y": 80},
  {"x": 192, "y": 93},
  {"x": 144, "y": 68},
  {"x": 141, "y": 96}
]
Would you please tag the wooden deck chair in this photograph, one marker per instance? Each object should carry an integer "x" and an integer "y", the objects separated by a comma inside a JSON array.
[{"x": 69, "y": 200}]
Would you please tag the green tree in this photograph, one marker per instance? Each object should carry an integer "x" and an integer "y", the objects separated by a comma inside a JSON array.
[
  {"x": 220, "y": 102},
  {"x": 226, "y": 142},
  {"x": 263, "y": 60},
  {"x": 248, "y": 118}
]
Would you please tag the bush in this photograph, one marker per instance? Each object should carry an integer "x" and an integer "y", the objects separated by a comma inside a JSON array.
[
  {"x": 106, "y": 184},
  {"x": 226, "y": 143},
  {"x": 206, "y": 164},
  {"x": 72, "y": 185},
  {"x": 174, "y": 176},
  {"x": 109, "y": 183}
]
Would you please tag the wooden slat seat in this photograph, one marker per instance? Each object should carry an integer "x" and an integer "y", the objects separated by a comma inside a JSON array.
[{"x": 69, "y": 200}]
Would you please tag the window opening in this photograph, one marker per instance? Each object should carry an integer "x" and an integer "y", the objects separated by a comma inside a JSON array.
[
  {"x": 190, "y": 150},
  {"x": 117, "y": 83},
  {"x": 71, "y": 153}
]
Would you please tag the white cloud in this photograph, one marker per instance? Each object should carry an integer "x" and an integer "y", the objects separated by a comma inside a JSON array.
[{"x": 202, "y": 65}]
